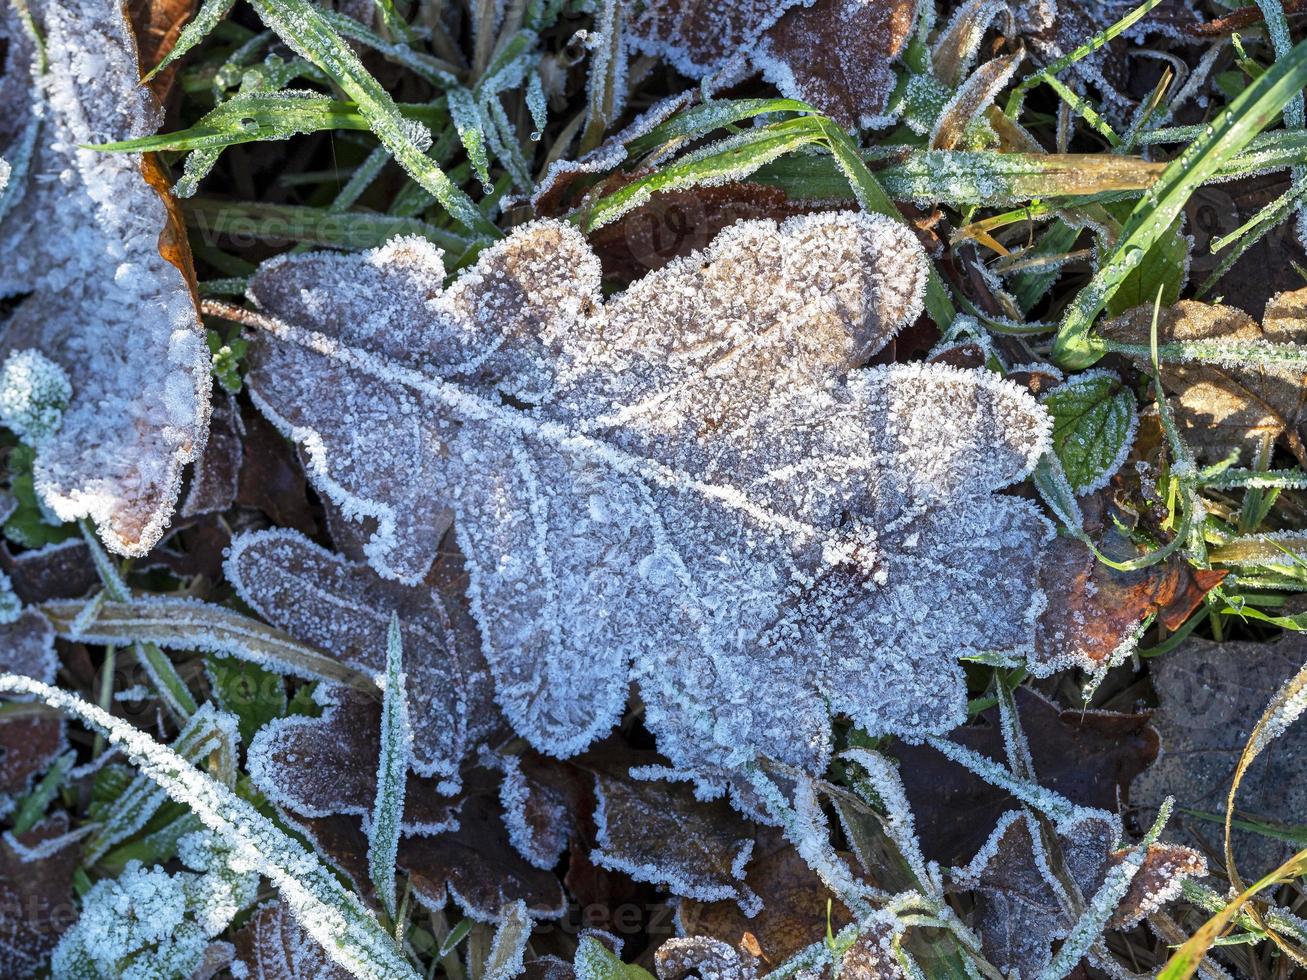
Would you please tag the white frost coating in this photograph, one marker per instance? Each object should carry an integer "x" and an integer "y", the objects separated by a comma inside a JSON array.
[
  {"x": 34, "y": 392},
  {"x": 392, "y": 771},
  {"x": 695, "y": 37},
  {"x": 540, "y": 847},
  {"x": 689, "y": 485},
  {"x": 147, "y": 923},
  {"x": 11, "y": 607},
  {"x": 105, "y": 305},
  {"x": 330, "y": 913},
  {"x": 899, "y": 822},
  {"x": 508, "y": 949}
]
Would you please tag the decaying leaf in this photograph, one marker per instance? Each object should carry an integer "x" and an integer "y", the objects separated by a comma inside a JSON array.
[
  {"x": 344, "y": 609},
  {"x": 93, "y": 240},
  {"x": 1095, "y": 612},
  {"x": 476, "y": 865},
  {"x": 1223, "y": 408},
  {"x": 1210, "y": 697},
  {"x": 215, "y": 480},
  {"x": 63, "y": 570},
  {"x": 27, "y": 744},
  {"x": 273, "y": 946},
  {"x": 688, "y": 484},
  {"x": 834, "y": 54},
  {"x": 837, "y": 55},
  {"x": 541, "y": 800},
  {"x": 318, "y": 767},
  {"x": 37, "y": 901},
  {"x": 1089, "y": 757},
  {"x": 1054, "y": 28},
  {"x": 658, "y": 832},
  {"x": 701, "y": 956},
  {"x": 794, "y": 907},
  {"x": 1022, "y": 904}
]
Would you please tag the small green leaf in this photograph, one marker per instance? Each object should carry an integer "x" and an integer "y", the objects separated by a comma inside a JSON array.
[
  {"x": 1094, "y": 421},
  {"x": 594, "y": 962},
  {"x": 29, "y": 525},
  {"x": 254, "y": 695}
]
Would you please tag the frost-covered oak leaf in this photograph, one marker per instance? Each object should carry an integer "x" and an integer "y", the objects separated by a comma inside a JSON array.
[
  {"x": 690, "y": 485},
  {"x": 834, "y": 54},
  {"x": 91, "y": 238},
  {"x": 1022, "y": 905},
  {"x": 344, "y": 608}
]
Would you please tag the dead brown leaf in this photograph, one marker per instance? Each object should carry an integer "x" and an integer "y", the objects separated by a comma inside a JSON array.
[
  {"x": 28, "y": 744},
  {"x": 37, "y": 903},
  {"x": 1222, "y": 408},
  {"x": 794, "y": 902},
  {"x": 1090, "y": 757},
  {"x": 273, "y": 946},
  {"x": 1210, "y": 695}
]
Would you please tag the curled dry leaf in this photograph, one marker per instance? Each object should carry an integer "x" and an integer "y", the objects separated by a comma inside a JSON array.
[
  {"x": 344, "y": 609},
  {"x": 834, "y": 54},
  {"x": 1023, "y": 906},
  {"x": 27, "y": 745},
  {"x": 1210, "y": 695},
  {"x": 37, "y": 902},
  {"x": 1090, "y": 757},
  {"x": 688, "y": 484},
  {"x": 273, "y": 946},
  {"x": 95, "y": 242},
  {"x": 1224, "y": 408},
  {"x": 318, "y": 767},
  {"x": 1095, "y": 612},
  {"x": 794, "y": 907}
]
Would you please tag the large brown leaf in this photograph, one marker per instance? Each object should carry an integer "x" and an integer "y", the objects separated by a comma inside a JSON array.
[
  {"x": 37, "y": 902},
  {"x": 1090, "y": 757},
  {"x": 1210, "y": 696}
]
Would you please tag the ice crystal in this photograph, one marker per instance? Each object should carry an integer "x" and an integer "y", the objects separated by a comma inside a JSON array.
[
  {"x": 27, "y": 745},
  {"x": 344, "y": 609},
  {"x": 11, "y": 607},
  {"x": 34, "y": 392},
  {"x": 700, "y": 956},
  {"x": 690, "y": 484},
  {"x": 392, "y": 771},
  {"x": 113, "y": 312}
]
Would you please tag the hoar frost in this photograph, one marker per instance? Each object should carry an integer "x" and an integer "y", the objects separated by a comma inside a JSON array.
[
  {"x": 80, "y": 230},
  {"x": 690, "y": 485},
  {"x": 34, "y": 391}
]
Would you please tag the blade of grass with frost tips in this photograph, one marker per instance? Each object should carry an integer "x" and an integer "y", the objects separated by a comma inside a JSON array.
[
  {"x": 313, "y": 226},
  {"x": 190, "y": 624},
  {"x": 1099, "y": 40},
  {"x": 327, "y": 911},
  {"x": 1184, "y": 961},
  {"x": 254, "y": 116},
  {"x": 392, "y": 772},
  {"x": 304, "y": 28},
  {"x": 132, "y": 809},
  {"x": 1159, "y": 208}
]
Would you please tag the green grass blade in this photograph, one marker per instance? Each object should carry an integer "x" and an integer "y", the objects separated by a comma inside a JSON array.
[
  {"x": 392, "y": 772},
  {"x": 1163, "y": 203},
  {"x": 306, "y": 30},
  {"x": 204, "y": 21}
]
